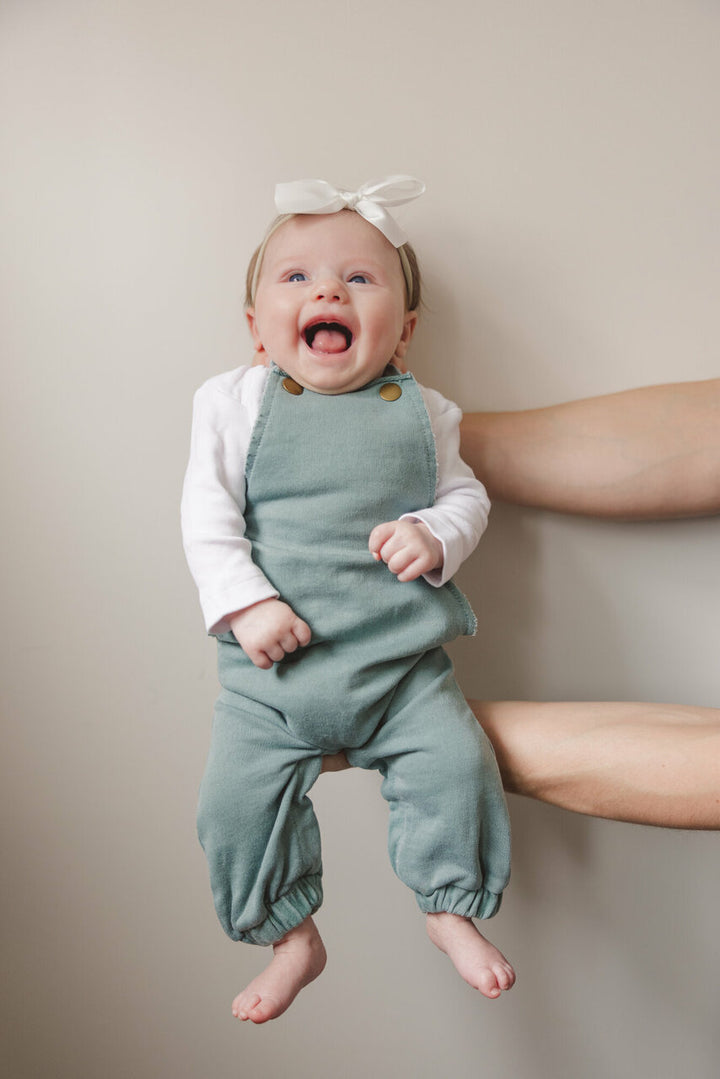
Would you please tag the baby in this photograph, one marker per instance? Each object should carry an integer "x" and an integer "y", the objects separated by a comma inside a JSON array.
[{"x": 325, "y": 509}]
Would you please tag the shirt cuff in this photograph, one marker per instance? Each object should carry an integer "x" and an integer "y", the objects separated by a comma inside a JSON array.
[{"x": 217, "y": 609}]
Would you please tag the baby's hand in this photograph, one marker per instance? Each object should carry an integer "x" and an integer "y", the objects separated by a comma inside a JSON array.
[
  {"x": 408, "y": 548},
  {"x": 268, "y": 630}
]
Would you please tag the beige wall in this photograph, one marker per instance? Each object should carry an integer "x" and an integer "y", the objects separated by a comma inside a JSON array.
[{"x": 570, "y": 241}]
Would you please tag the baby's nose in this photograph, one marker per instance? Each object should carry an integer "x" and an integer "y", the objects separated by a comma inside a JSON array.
[{"x": 330, "y": 289}]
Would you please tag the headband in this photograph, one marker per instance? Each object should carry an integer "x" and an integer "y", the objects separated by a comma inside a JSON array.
[{"x": 370, "y": 200}]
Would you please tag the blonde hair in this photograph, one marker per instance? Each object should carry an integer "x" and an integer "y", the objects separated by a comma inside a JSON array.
[{"x": 406, "y": 254}]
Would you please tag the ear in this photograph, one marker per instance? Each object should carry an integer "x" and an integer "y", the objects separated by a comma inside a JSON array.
[
  {"x": 260, "y": 357},
  {"x": 403, "y": 344}
]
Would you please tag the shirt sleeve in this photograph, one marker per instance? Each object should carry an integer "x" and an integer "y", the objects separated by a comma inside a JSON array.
[
  {"x": 213, "y": 500},
  {"x": 460, "y": 512}
]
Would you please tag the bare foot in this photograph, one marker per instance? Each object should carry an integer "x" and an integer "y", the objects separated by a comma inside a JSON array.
[
  {"x": 298, "y": 959},
  {"x": 475, "y": 959}
]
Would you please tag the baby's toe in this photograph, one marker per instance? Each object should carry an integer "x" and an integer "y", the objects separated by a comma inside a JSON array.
[
  {"x": 487, "y": 983},
  {"x": 243, "y": 1005},
  {"x": 267, "y": 1008},
  {"x": 505, "y": 975}
]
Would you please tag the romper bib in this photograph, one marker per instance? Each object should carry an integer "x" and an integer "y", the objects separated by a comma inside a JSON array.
[{"x": 322, "y": 471}]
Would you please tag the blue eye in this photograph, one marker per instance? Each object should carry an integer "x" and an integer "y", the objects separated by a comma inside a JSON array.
[
  {"x": 359, "y": 279},
  {"x": 297, "y": 276}
]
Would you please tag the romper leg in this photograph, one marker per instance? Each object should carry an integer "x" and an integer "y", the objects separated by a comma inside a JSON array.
[
  {"x": 257, "y": 825},
  {"x": 449, "y": 834}
]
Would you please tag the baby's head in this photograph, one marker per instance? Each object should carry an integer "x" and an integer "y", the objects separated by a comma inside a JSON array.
[{"x": 330, "y": 300}]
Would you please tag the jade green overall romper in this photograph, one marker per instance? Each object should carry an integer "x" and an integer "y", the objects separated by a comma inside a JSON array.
[{"x": 321, "y": 472}]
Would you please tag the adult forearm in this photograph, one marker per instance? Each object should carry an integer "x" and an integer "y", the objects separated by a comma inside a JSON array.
[
  {"x": 645, "y": 453},
  {"x": 645, "y": 763}
]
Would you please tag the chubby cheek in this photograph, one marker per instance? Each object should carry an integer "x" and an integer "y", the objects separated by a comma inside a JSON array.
[{"x": 277, "y": 333}]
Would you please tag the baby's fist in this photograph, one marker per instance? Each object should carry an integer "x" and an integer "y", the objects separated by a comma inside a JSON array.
[
  {"x": 408, "y": 548},
  {"x": 268, "y": 630}
]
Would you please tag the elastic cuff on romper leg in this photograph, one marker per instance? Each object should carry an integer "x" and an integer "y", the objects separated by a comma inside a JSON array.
[
  {"x": 287, "y": 912},
  {"x": 454, "y": 900}
]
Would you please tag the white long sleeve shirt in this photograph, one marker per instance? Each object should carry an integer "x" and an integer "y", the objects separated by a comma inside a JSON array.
[{"x": 213, "y": 502}]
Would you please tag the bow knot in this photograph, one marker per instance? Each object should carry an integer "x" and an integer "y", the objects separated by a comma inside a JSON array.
[{"x": 370, "y": 201}]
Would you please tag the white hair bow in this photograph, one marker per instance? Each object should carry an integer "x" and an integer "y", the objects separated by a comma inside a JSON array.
[{"x": 370, "y": 200}]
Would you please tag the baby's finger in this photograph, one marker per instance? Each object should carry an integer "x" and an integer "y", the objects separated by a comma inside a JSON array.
[
  {"x": 399, "y": 561},
  {"x": 379, "y": 537},
  {"x": 302, "y": 632},
  {"x": 275, "y": 651},
  {"x": 290, "y": 643},
  {"x": 415, "y": 569},
  {"x": 260, "y": 659},
  {"x": 394, "y": 550}
]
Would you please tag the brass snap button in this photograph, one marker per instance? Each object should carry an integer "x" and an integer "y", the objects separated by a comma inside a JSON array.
[
  {"x": 292, "y": 386},
  {"x": 390, "y": 391}
]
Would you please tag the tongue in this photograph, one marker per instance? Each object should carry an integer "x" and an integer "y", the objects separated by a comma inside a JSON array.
[{"x": 329, "y": 341}]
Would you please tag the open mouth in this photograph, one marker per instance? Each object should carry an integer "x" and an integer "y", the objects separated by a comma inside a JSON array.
[{"x": 327, "y": 337}]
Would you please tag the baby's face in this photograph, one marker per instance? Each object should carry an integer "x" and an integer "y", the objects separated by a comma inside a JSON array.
[{"x": 330, "y": 302}]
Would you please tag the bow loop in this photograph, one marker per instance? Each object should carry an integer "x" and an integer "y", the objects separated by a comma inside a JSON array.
[{"x": 370, "y": 200}]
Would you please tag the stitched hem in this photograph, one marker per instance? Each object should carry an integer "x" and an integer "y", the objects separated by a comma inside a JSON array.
[
  {"x": 454, "y": 900},
  {"x": 286, "y": 913}
]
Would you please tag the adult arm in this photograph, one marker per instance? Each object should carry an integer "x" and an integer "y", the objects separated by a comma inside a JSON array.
[
  {"x": 645, "y": 763},
  {"x": 645, "y": 453}
]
